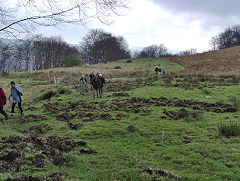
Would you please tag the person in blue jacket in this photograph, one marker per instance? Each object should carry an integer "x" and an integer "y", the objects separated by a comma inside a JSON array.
[{"x": 16, "y": 94}]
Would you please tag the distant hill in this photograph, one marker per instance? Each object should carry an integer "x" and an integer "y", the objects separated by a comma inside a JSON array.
[{"x": 221, "y": 62}]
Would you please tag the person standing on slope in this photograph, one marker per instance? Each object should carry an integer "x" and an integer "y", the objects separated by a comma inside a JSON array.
[
  {"x": 16, "y": 94},
  {"x": 102, "y": 80},
  {"x": 3, "y": 100}
]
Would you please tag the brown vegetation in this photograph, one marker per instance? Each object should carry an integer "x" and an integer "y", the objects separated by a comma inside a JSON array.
[{"x": 216, "y": 63}]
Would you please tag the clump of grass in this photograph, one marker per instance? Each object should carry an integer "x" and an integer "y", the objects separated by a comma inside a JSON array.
[
  {"x": 206, "y": 91},
  {"x": 234, "y": 101},
  {"x": 229, "y": 129}
]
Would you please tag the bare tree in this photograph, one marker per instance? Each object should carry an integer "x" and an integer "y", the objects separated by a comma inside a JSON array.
[
  {"x": 5, "y": 54},
  {"x": 191, "y": 51},
  {"x": 229, "y": 38},
  {"x": 153, "y": 51},
  {"x": 214, "y": 42},
  {"x": 21, "y": 16},
  {"x": 99, "y": 46}
]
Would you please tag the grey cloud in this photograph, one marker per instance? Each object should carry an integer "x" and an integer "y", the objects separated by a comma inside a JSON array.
[{"x": 221, "y": 13}]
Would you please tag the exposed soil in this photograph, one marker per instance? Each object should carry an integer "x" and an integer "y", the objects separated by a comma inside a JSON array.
[
  {"x": 33, "y": 118},
  {"x": 52, "y": 177},
  {"x": 38, "y": 129},
  {"x": 75, "y": 126},
  {"x": 33, "y": 151},
  {"x": 181, "y": 114},
  {"x": 93, "y": 111},
  {"x": 88, "y": 151}
]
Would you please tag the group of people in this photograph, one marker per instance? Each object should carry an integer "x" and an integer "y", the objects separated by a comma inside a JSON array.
[
  {"x": 158, "y": 70},
  {"x": 97, "y": 82},
  {"x": 16, "y": 93}
]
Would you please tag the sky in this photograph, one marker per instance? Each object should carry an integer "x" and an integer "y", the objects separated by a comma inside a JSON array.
[{"x": 178, "y": 24}]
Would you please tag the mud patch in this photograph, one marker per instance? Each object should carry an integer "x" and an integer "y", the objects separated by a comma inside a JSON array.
[
  {"x": 39, "y": 129},
  {"x": 52, "y": 177},
  {"x": 33, "y": 118},
  {"x": 119, "y": 94},
  {"x": 18, "y": 152},
  {"x": 88, "y": 151},
  {"x": 75, "y": 126},
  {"x": 182, "y": 114},
  {"x": 65, "y": 116}
]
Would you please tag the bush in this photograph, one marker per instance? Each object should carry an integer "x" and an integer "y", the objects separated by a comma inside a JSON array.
[
  {"x": 129, "y": 61},
  {"x": 229, "y": 129},
  {"x": 72, "y": 60}
]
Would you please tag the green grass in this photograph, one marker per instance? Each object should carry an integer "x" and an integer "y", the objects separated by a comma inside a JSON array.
[{"x": 193, "y": 147}]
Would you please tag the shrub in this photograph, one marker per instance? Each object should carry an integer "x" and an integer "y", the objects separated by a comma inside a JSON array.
[
  {"x": 72, "y": 60},
  {"x": 129, "y": 61},
  {"x": 229, "y": 129}
]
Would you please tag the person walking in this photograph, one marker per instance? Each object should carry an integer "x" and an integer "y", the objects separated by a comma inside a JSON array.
[
  {"x": 164, "y": 70},
  {"x": 159, "y": 70},
  {"x": 96, "y": 85},
  {"x": 91, "y": 77},
  {"x": 3, "y": 100},
  {"x": 83, "y": 80},
  {"x": 156, "y": 70},
  {"x": 16, "y": 94},
  {"x": 102, "y": 80}
]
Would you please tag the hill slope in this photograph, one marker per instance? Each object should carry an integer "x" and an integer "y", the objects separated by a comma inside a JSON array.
[
  {"x": 182, "y": 130},
  {"x": 216, "y": 63}
]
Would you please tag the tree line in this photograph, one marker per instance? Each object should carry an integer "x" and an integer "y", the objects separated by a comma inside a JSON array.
[
  {"x": 230, "y": 37},
  {"x": 34, "y": 53},
  {"x": 97, "y": 46}
]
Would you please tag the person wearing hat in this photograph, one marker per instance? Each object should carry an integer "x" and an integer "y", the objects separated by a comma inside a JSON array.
[{"x": 3, "y": 100}]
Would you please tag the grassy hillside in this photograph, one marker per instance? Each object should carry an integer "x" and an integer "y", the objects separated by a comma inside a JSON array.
[
  {"x": 143, "y": 128},
  {"x": 222, "y": 62}
]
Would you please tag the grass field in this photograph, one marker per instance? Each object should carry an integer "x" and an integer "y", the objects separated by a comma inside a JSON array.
[{"x": 182, "y": 127}]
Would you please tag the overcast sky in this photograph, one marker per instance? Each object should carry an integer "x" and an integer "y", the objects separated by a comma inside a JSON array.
[{"x": 178, "y": 24}]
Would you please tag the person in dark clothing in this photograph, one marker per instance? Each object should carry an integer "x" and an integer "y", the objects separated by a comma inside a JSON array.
[
  {"x": 156, "y": 70},
  {"x": 102, "y": 80},
  {"x": 16, "y": 94},
  {"x": 83, "y": 80},
  {"x": 159, "y": 70},
  {"x": 96, "y": 85},
  {"x": 3, "y": 100},
  {"x": 91, "y": 77}
]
